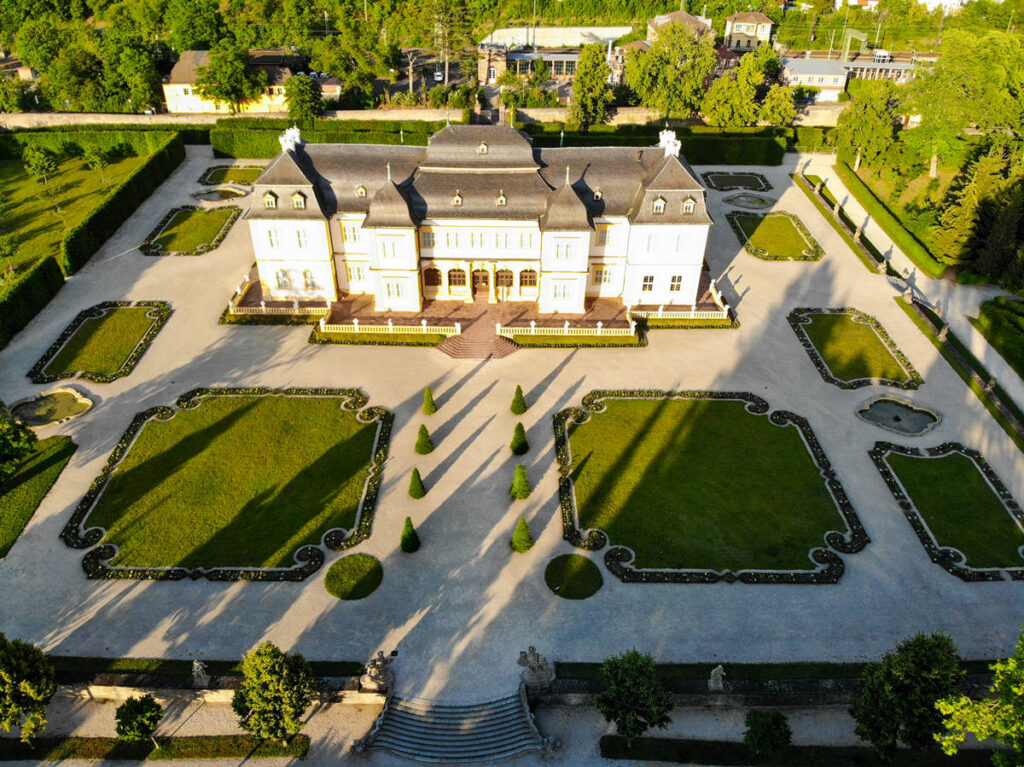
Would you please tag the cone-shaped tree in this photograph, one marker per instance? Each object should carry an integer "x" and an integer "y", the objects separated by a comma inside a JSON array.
[
  {"x": 429, "y": 408},
  {"x": 522, "y": 540},
  {"x": 424, "y": 444},
  {"x": 410, "y": 540},
  {"x": 519, "y": 444},
  {"x": 518, "y": 402},
  {"x": 520, "y": 484},
  {"x": 416, "y": 488}
]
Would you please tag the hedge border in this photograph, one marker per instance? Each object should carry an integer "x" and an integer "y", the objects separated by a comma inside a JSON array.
[
  {"x": 266, "y": 319},
  {"x": 866, "y": 252},
  {"x": 205, "y": 180},
  {"x": 308, "y": 557},
  {"x": 316, "y": 338},
  {"x": 813, "y": 252},
  {"x": 950, "y": 559},
  {"x": 732, "y": 322},
  {"x": 618, "y": 558},
  {"x": 159, "y": 312},
  {"x": 802, "y": 316},
  {"x": 149, "y": 246},
  {"x": 640, "y": 343},
  {"x": 706, "y": 177}
]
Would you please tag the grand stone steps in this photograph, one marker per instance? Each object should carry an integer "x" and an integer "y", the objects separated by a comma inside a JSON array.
[
  {"x": 469, "y": 348},
  {"x": 426, "y": 731}
]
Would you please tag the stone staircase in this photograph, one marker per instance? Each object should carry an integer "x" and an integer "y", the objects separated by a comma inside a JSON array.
[
  {"x": 466, "y": 347},
  {"x": 427, "y": 731}
]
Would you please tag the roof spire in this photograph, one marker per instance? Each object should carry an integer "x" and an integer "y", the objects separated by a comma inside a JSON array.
[
  {"x": 389, "y": 171},
  {"x": 567, "y": 174}
]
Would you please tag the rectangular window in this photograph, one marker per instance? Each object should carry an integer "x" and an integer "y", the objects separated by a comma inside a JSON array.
[
  {"x": 602, "y": 235},
  {"x": 677, "y": 283},
  {"x": 272, "y": 237},
  {"x": 387, "y": 248},
  {"x": 428, "y": 239},
  {"x": 309, "y": 279},
  {"x": 602, "y": 275},
  {"x": 300, "y": 235},
  {"x": 355, "y": 273},
  {"x": 570, "y": 68},
  {"x": 648, "y": 285},
  {"x": 350, "y": 233},
  {"x": 563, "y": 251},
  {"x": 186, "y": 91},
  {"x": 394, "y": 288},
  {"x": 561, "y": 290},
  {"x": 284, "y": 282},
  {"x": 559, "y": 68}
]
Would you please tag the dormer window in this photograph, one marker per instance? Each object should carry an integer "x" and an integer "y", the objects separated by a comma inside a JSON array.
[
  {"x": 270, "y": 201},
  {"x": 299, "y": 201},
  {"x": 598, "y": 195},
  {"x": 502, "y": 199},
  {"x": 360, "y": 191},
  {"x": 688, "y": 205},
  {"x": 482, "y": 149},
  {"x": 659, "y": 205},
  {"x": 457, "y": 200}
]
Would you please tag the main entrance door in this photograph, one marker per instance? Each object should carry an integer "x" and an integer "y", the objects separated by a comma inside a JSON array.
[{"x": 481, "y": 283}]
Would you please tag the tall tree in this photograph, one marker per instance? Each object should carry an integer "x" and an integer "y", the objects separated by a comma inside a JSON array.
[
  {"x": 136, "y": 719},
  {"x": 305, "y": 100},
  {"x": 194, "y": 25},
  {"x": 591, "y": 93},
  {"x": 633, "y": 696},
  {"x": 26, "y": 687},
  {"x": 16, "y": 439},
  {"x": 227, "y": 77},
  {"x": 867, "y": 130},
  {"x": 729, "y": 102},
  {"x": 671, "y": 76},
  {"x": 955, "y": 235},
  {"x": 451, "y": 30},
  {"x": 276, "y": 690},
  {"x": 997, "y": 249},
  {"x": 778, "y": 107}
]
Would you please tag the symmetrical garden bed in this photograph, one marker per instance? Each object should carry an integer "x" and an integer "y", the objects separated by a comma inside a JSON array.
[
  {"x": 235, "y": 484},
  {"x": 231, "y": 174},
  {"x": 190, "y": 231},
  {"x": 851, "y": 349},
  {"x": 777, "y": 236},
  {"x": 22, "y": 493},
  {"x": 728, "y": 181},
  {"x": 655, "y": 474},
  {"x": 103, "y": 343},
  {"x": 964, "y": 516}
]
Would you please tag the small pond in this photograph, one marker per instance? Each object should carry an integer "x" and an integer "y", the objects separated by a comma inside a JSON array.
[
  {"x": 52, "y": 407},
  {"x": 750, "y": 201},
  {"x": 899, "y": 415},
  {"x": 220, "y": 193}
]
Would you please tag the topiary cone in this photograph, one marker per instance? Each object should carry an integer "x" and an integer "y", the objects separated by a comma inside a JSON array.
[
  {"x": 424, "y": 444},
  {"x": 410, "y": 540},
  {"x": 522, "y": 540},
  {"x": 416, "y": 488},
  {"x": 429, "y": 408},
  {"x": 518, "y": 402},
  {"x": 520, "y": 484},
  {"x": 519, "y": 444}
]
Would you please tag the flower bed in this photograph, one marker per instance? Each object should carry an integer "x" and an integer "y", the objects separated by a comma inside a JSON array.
[
  {"x": 811, "y": 252},
  {"x": 152, "y": 247},
  {"x": 731, "y": 181},
  {"x": 159, "y": 312}
]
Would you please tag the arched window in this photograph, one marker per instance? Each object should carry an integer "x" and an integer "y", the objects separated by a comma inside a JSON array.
[
  {"x": 502, "y": 199},
  {"x": 270, "y": 201},
  {"x": 431, "y": 277},
  {"x": 598, "y": 195},
  {"x": 482, "y": 149},
  {"x": 528, "y": 278},
  {"x": 456, "y": 278},
  {"x": 299, "y": 201},
  {"x": 659, "y": 205},
  {"x": 503, "y": 278}
]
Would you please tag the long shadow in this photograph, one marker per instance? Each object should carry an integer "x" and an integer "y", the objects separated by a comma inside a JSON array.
[
  {"x": 445, "y": 397},
  {"x": 453, "y": 455},
  {"x": 544, "y": 383},
  {"x": 451, "y": 421},
  {"x": 37, "y": 468}
]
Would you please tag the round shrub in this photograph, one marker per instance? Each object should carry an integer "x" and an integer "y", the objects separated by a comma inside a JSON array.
[
  {"x": 522, "y": 539},
  {"x": 519, "y": 445},
  {"x": 410, "y": 539},
  {"x": 518, "y": 406},
  {"x": 768, "y": 733},
  {"x": 416, "y": 488},
  {"x": 354, "y": 577},
  {"x": 520, "y": 484},
  {"x": 424, "y": 444},
  {"x": 571, "y": 576}
]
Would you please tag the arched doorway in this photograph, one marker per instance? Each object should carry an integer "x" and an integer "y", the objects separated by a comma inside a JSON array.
[{"x": 481, "y": 283}]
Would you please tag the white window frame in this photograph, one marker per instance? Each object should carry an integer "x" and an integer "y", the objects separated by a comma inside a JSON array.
[
  {"x": 676, "y": 283},
  {"x": 647, "y": 285},
  {"x": 309, "y": 279},
  {"x": 658, "y": 206},
  {"x": 284, "y": 279},
  {"x": 272, "y": 238},
  {"x": 300, "y": 236},
  {"x": 602, "y": 275},
  {"x": 428, "y": 239},
  {"x": 355, "y": 273}
]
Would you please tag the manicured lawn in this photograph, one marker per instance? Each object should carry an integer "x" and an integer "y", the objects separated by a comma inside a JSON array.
[
  {"x": 236, "y": 481},
  {"x": 540, "y": 340},
  {"x": 231, "y": 175},
  {"x": 1001, "y": 321},
  {"x": 700, "y": 484},
  {"x": 190, "y": 229},
  {"x": 851, "y": 350},
  {"x": 242, "y": 747},
  {"x": 777, "y": 235},
  {"x": 72, "y": 669},
  {"x": 22, "y": 493},
  {"x": 101, "y": 345},
  {"x": 378, "y": 339},
  {"x": 354, "y": 577},
  {"x": 28, "y": 210},
  {"x": 571, "y": 576},
  {"x": 960, "y": 508}
]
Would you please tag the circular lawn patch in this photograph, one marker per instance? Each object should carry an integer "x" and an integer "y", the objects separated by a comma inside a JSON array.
[
  {"x": 354, "y": 577},
  {"x": 571, "y": 576}
]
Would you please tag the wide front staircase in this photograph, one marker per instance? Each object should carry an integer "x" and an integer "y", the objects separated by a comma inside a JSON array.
[
  {"x": 427, "y": 731},
  {"x": 478, "y": 341}
]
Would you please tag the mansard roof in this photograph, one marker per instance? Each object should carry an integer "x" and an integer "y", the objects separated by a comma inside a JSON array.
[
  {"x": 389, "y": 209},
  {"x": 478, "y": 148},
  {"x": 565, "y": 211}
]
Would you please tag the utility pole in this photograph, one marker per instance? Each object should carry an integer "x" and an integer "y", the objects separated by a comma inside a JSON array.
[
  {"x": 877, "y": 33},
  {"x": 831, "y": 39},
  {"x": 1009, "y": 24},
  {"x": 942, "y": 23}
]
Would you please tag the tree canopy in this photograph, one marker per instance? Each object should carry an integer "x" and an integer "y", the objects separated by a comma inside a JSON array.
[
  {"x": 276, "y": 690},
  {"x": 305, "y": 100},
  {"x": 592, "y": 95},
  {"x": 670, "y": 76},
  {"x": 16, "y": 439},
  {"x": 227, "y": 77},
  {"x": 633, "y": 696},
  {"x": 867, "y": 129},
  {"x": 26, "y": 687}
]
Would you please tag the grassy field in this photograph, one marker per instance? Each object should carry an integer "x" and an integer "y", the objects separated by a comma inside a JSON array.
[
  {"x": 242, "y": 747},
  {"x": 21, "y": 495},
  {"x": 961, "y": 509},
  {"x": 237, "y": 481},
  {"x": 661, "y": 477},
  {"x": 1001, "y": 321},
  {"x": 191, "y": 228},
  {"x": 852, "y": 350},
  {"x": 354, "y": 577},
  {"x": 572, "y": 576},
  {"x": 775, "y": 234},
  {"x": 102, "y": 344},
  {"x": 232, "y": 176},
  {"x": 28, "y": 210}
]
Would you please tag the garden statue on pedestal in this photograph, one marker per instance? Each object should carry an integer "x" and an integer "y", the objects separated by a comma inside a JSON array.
[
  {"x": 200, "y": 679},
  {"x": 379, "y": 677},
  {"x": 537, "y": 675},
  {"x": 716, "y": 683}
]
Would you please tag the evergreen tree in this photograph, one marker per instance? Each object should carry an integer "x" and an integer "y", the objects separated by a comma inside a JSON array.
[
  {"x": 998, "y": 245},
  {"x": 633, "y": 696},
  {"x": 137, "y": 719},
  {"x": 522, "y": 539},
  {"x": 768, "y": 733},
  {"x": 424, "y": 444},
  {"x": 429, "y": 408},
  {"x": 416, "y": 488},
  {"x": 305, "y": 98},
  {"x": 954, "y": 239},
  {"x": 410, "y": 539},
  {"x": 520, "y": 484},
  {"x": 26, "y": 687},
  {"x": 16, "y": 442},
  {"x": 591, "y": 93},
  {"x": 518, "y": 402},
  {"x": 276, "y": 690},
  {"x": 519, "y": 445}
]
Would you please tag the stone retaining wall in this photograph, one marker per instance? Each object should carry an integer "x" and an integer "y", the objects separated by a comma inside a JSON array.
[{"x": 164, "y": 695}]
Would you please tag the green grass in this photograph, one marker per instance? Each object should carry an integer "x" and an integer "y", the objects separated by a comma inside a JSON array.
[
  {"x": 190, "y": 229},
  {"x": 22, "y": 493},
  {"x": 1001, "y": 321},
  {"x": 775, "y": 234},
  {"x": 354, "y": 577},
  {"x": 70, "y": 667},
  {"x": 110, "y": 749},
  {"x": 237, "y": 481},
  {"x": 572, "y": 576},
  {"x": 852, "y": 351},
  {"x": 539, "y": 340},
  {"x": 961, "y": 509},
  {"x": 661, "y": 477},
  {"x": 843, "y": 232},
  {"x": 232, "y": 176},
  {"x": 378, "y": 339},
  {"x": 101, "y": 345},
  {"x": 28, "y": 210}
]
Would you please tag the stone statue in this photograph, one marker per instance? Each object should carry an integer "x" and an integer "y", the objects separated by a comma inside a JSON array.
[
  {"x": 379, "y": 676},
  {"x": 667, "y": 140},
  {"x": 290, "y": 140},
  {"x": 200, "y": 679},
  {"x": 715, "y": 683},
  {"x": 537, "y": 675}
]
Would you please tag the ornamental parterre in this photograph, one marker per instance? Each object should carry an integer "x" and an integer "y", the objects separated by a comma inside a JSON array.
[
  {"x": 725, "y": 181},
  {"x": 618, "y": 558},
  {"x": 802, "y": 316},
  {"x": 947, "y": 557},
  {"x": 308, "y": 558},
  {"x": 150, "y": 247},
  {"x": 813, "y": 251},
  {"x": 159, "y": 312}
]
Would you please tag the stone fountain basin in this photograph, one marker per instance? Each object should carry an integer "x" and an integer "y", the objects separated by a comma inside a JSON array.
[
  {"x": 52, "y": 407},
  {"x": 899, "y": 415},
  {"x": 750, "y": 201},
  {"x": 220, "y": 193}
]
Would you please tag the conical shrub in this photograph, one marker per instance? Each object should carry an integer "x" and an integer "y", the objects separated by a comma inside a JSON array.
[
  {"x": 518, "y": 402},
  {"x": 410, "y": 540},
  {"x": 429, "y": 408},
  {"x": 519, "y": 444},
  {"x": 416, "y": 488},
  {"x": 424, "y": 444},
  {"x": 522, "y": 539},
  {"x": 520, "y": 484}
]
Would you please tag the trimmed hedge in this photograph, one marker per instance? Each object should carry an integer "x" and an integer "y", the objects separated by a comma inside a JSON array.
[
  {"x": 74, "y": 141},
  {"x": 324, "y": 124},
  {"x": 256, "y": 144},
  {"x": 24, "y": 298},
  {"x": 190, "y": 134}
]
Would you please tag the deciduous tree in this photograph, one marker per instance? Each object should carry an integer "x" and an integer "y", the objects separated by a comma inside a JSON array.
[
  {"x": 136, "y": 719},
  {"x": 227, "y": 77},
  {"x": 670, "y": 77},
  {"x": 305, "y": 98},
  {"x": 26, "y": 687},
  {"x": 778, "y": 107},
  {"x": 591, "y": 93},
  {"x": 633, "y": 696},
  {"x": 867, "y": 129},
  {"x": 276, "y": 690}
]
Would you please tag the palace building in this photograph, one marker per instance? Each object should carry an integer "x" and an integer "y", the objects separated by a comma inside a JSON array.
[{"x": 479, "y": 214}]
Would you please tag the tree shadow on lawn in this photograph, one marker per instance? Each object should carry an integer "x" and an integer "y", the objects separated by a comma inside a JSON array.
[{"x": 38, "y": 467}]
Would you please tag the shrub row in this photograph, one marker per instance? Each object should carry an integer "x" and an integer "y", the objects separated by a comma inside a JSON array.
[
  {"x": 256, "y": 144},
  {"x": 868, "y": 254},
  {"x": 327, "y": 125},
  {"x": 73, "y": 142},
  {"x": 190, "y": 134},
  {"x": 23, "y": 298}
]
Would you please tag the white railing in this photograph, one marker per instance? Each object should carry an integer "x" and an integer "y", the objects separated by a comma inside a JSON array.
[
  {"x": 235, "y": 308},
  {"x": 721, "y": 313},
  {"x": 355, "y": 326},
  {"x": 564, "y": 329}
]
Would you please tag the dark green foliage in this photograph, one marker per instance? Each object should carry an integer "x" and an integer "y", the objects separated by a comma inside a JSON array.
[
  {"x": 895, "y": 702},
  {"x": 571, "y": 576},
  {"x": 23, "y": 298},
  {"x": 519, "y": 444},
  {"x": 956, "y": 232},
  {"x": 276, "y": 690},
  {"x": 26, "y": 687},
  {"x": 410, "y": 538},
  {"x": 16, "y": 441},
  {"x": 416, "y": 488},
  {"x": 137, "y": 719},
  {"x": 1001, "y": 321},
  {"x": 354, "y": 577},
  {"x": 241, "y": 748},
  {"x": 869, "y": 126},
  {"x": 768, "y": 734},
  {"x": 593, "y": 95},
  {"x": 520, "y": 484},
  {"x": 305, "y": 101},
  {"x": 633, "y": 696},
  {"x": 227, "y": 77},
  {"x": 424, "y": 444},
  {"x": 522, "y": 539},
  {"x": 518, "y": 406},
  {"x": 429, "y": 408}
]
